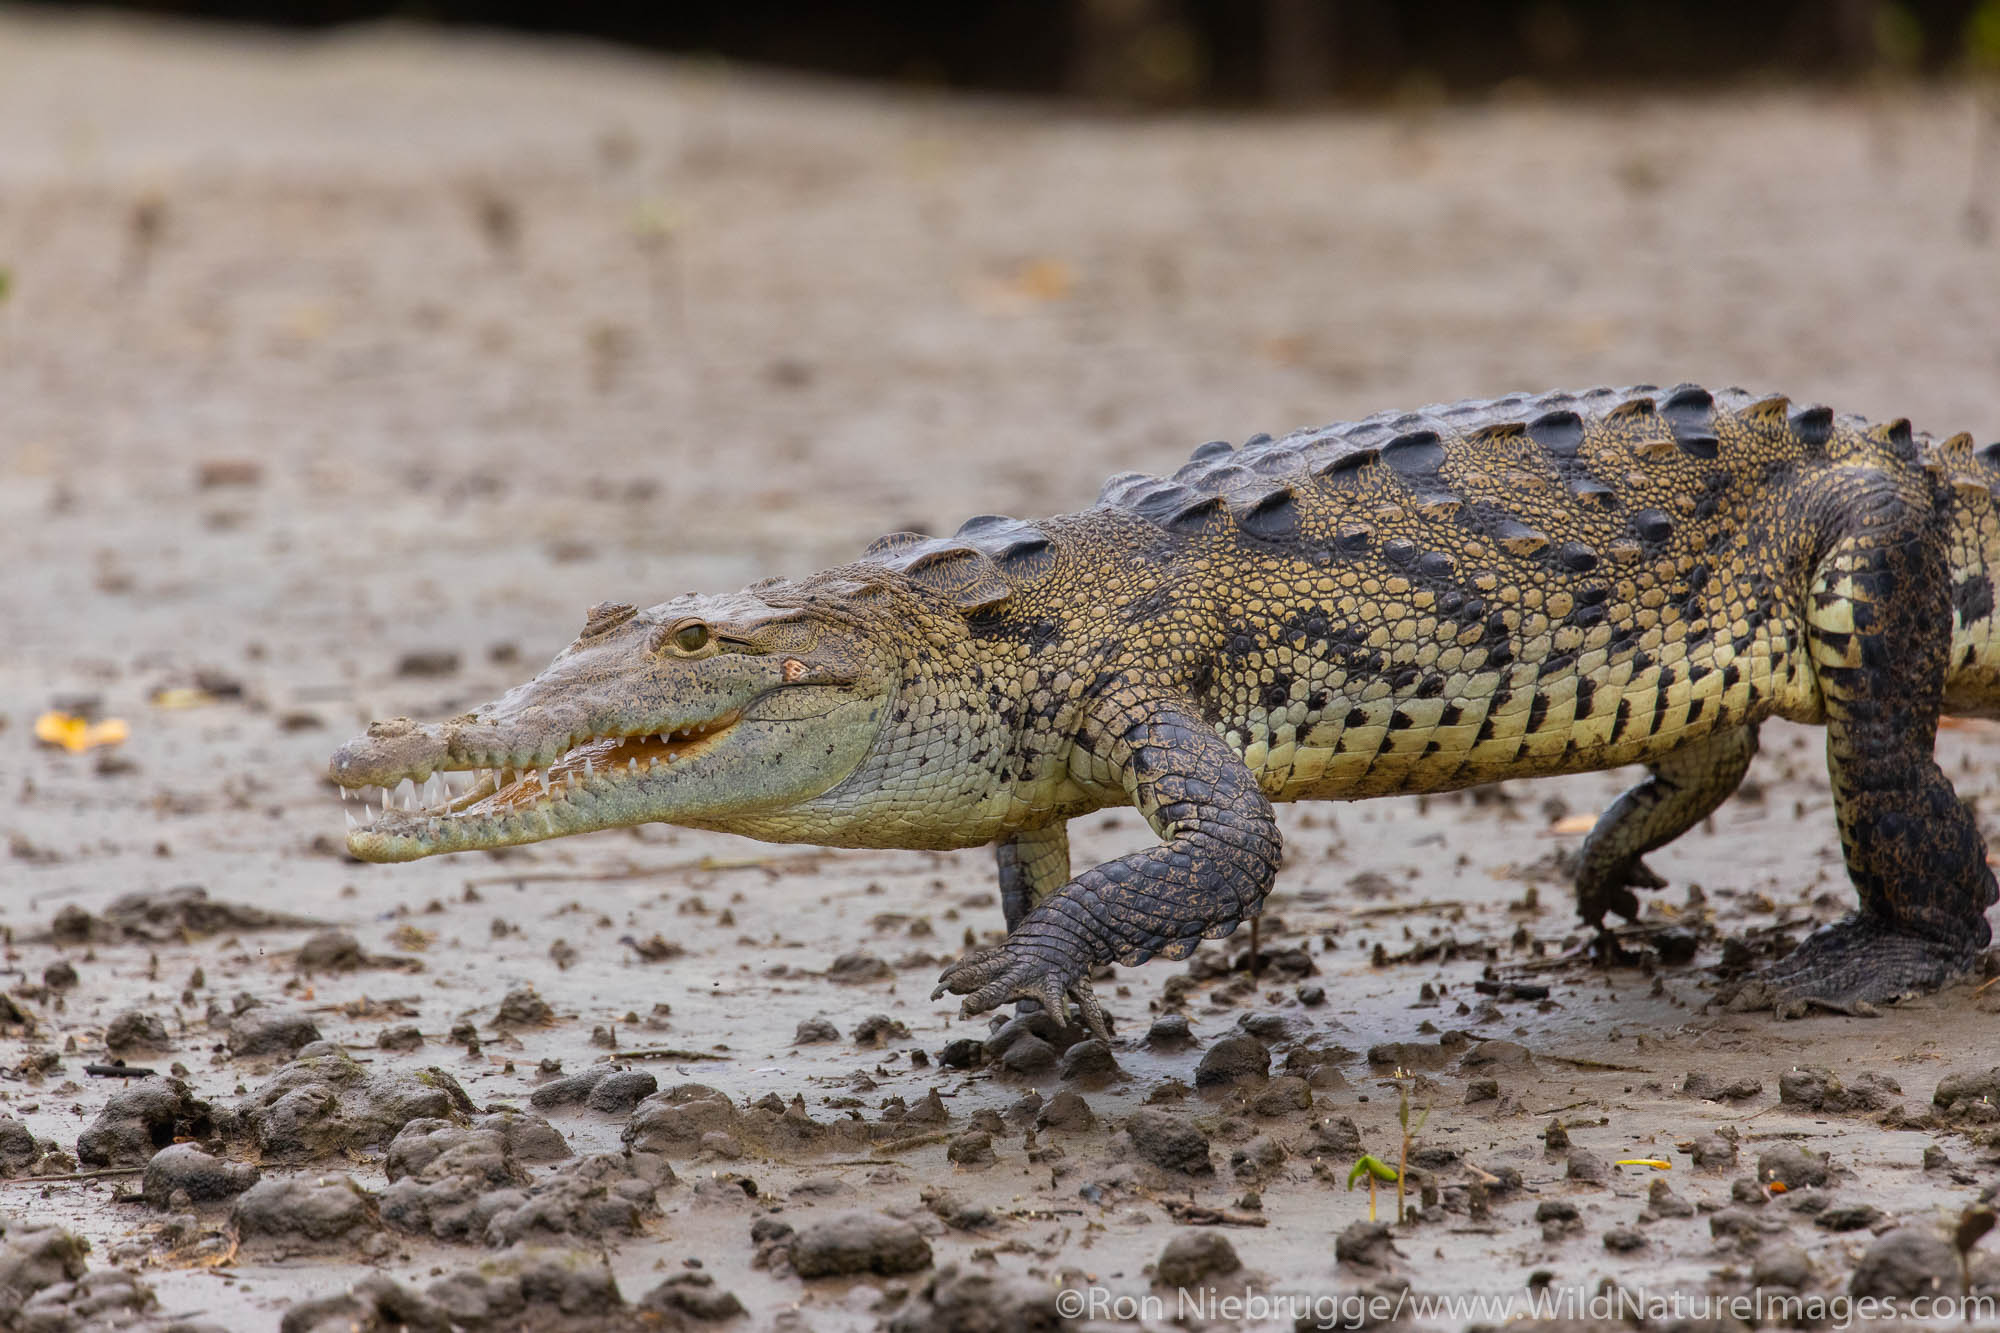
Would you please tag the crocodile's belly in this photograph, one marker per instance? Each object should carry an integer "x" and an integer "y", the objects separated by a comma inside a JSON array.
[{"x": 1563, "y": 713}]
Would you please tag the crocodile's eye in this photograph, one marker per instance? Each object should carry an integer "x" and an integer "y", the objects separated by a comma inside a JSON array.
[{"x": 691, "y": 637}]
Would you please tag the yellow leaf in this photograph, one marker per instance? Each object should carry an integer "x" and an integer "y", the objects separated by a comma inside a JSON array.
[
  {"x": 182, "y": 696},
  {"x": 76, "y": 735}
]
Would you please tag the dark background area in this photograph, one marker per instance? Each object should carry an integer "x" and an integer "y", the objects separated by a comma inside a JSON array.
[{"x": 1243, "y": 52}]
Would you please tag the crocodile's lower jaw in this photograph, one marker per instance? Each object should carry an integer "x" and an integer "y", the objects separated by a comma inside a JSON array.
[{"x": 596, "y": 785}]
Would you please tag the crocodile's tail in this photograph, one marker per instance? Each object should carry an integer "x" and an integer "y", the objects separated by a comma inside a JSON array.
[{"x": 1972, "y": 476}]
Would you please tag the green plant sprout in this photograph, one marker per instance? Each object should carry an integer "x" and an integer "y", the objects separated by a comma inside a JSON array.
[{"x": 1374, "y": 1168}]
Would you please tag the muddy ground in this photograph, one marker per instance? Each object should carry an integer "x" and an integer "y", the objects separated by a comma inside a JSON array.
[{"x": 340, "y": 376}]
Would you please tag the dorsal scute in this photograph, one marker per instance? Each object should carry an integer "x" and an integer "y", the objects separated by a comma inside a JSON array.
[
  {"x": 1415, "y": 452},
  {"x": 964, "y": 574}
]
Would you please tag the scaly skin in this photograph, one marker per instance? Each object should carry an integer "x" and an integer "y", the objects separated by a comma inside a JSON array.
[{"x": 1411, "y": 603}]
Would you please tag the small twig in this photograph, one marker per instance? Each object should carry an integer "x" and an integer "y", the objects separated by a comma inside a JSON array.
[
  {"x": 1202, "y": 1215},
  {"x": 1410, "y": 909},
  {"x": 75, "y": 1176},
  {"x": 667, "y": 1053},
  {"x": 120, "y": 1070}
]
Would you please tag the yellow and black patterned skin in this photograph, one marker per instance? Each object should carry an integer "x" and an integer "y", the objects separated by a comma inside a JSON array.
[{"x": 1412, "y": 603}]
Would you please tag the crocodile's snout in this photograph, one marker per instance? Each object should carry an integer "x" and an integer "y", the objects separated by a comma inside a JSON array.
[{"x": 390, "y": 751}]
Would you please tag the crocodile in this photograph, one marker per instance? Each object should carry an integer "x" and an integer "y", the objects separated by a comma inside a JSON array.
[{"x": 1414, "y": 602}]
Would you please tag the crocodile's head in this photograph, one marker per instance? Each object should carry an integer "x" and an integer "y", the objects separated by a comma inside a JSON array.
[{"x": 700, "y": 711}]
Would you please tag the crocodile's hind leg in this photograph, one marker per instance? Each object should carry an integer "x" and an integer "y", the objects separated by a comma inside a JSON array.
[
  {"x": 1879, "y": 624},
  {"x": 1033, "y": 864},
  {"x": 1680, "y": 791}
]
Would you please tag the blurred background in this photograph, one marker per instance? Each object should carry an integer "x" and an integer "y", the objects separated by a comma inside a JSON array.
[{"x": 1242, "y": 52}]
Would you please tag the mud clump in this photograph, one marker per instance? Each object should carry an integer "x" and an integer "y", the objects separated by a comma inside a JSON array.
[
  {"x": 265, "y": 1030},
  {"x": 1089, "y": 1062},
  {"x": 1232, "y": 1059},
  {"x": 167, "y": 917},
  {"x": 1958, "y": 1093},
  {"x": 1906, "y": 1263},
  {"x": 688, "y": 1118},
  {"x": 858, "y": 1243},
  {"x": 673, "y": 1122},
  {"x": 106, "y": 1299},
  {"x": 19, "y": 1150},
  {"x": 959, "y": 1301},
  {"x": 814, "y": 1030},
  {"x": 35, "y": 1258},
  {"x": 321, "y": 1105},
  {"x": 1169, "y": 1032},
  {"x": 1817, "y": 1088},
  {"x": 605, "y": 1088},
  {"x": 183, "y": 1169},
  {"x": 692, "y": 1295},
  {"x": 1170, "y": 1142},
  {"x": 1194, "y": 1256},
  {"x": 1709, "y": 1088},
  {"x": 523, "y": 1007},
  {"x": 1793, "y": 1167},
  {"x": 551, "y": 1291},
  {"x": 1367, "y": 1245},
  {"x": 296, "y": 1215},
  {"x": 492, "y": 1147},
  {"x": 471, "y": 1183},
  {"x": 1066, "y": 1112},
  {"x": 140, "y": 1120},
  {"x": 136, "y": 1031},
  {"x": 339, "y": 951}
]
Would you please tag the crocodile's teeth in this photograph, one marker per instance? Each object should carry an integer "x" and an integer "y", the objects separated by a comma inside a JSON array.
[{"x": 352, "y": 822}]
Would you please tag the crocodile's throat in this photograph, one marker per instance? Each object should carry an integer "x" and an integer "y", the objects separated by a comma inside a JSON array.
[{"x": 582, "y": 789}]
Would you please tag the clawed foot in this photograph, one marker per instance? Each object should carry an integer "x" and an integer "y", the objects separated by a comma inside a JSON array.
[
  {"x": 1850, "y": 967},
  {"x": 1614, "y": 893},
  {"x": 991, "y": 977}
]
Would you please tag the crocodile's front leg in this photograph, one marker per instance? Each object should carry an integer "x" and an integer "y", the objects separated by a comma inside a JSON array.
[
  {"x": 1033, "y": 864},
  {"x": 1218, "y": 856}
]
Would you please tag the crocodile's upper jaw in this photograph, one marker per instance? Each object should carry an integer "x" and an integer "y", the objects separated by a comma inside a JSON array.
[{"x": 602, "y": 782}]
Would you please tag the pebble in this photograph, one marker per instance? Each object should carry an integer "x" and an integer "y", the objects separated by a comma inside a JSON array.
[{"x": 1169, "y": 1032}]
